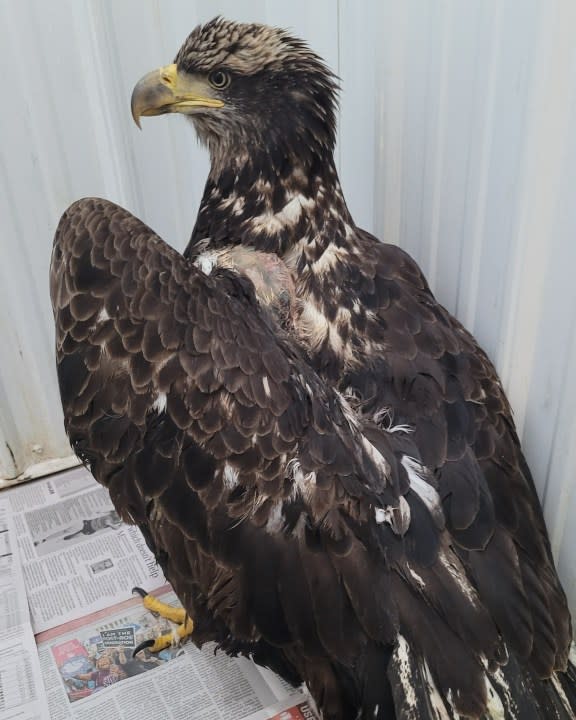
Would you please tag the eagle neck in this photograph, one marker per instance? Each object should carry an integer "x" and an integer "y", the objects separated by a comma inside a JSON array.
[
  {"x": 274, "y": 204},
  {"x": 297, "y": 211}
]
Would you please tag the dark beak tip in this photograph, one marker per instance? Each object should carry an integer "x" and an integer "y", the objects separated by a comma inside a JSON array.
[{"x": 135, "y": 115}]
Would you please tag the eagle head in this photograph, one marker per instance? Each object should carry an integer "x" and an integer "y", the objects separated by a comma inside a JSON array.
[{"x": 246, "y": 87}]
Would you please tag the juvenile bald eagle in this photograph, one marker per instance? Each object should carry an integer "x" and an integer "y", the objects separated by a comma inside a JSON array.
[{"x": 321, "y": 457}]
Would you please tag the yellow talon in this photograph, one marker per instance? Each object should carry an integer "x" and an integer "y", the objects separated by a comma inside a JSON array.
[
  {"x": 174, "y": 614},
  {"x": 169, "y": 612},
  {"x": 169, "y": 639}
]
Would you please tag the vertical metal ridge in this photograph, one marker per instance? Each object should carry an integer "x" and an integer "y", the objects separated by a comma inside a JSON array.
[
  {"x": 436, "y": 161},
  {"x": 467, "y": 299},
  {"x": 389, "y": 122},
  {"x": 543, "y": 152}
]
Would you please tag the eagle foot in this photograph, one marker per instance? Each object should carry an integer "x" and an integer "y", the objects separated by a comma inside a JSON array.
[{"x": 169, "y": 612}]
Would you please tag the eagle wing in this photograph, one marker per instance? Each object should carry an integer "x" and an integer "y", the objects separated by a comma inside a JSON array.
[
  {"x": 430, "y": 374},
  {"x": 288, "y": 528}
]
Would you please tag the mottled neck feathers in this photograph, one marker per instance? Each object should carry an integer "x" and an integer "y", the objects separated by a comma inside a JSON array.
[{"x": 273, "y": 204}]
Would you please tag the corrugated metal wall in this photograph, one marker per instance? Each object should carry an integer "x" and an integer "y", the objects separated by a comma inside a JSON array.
[{"x": 456, "y": 141}]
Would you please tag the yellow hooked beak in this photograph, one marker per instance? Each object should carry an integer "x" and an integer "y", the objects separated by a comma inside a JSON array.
[{"x": 168, "y": 91}]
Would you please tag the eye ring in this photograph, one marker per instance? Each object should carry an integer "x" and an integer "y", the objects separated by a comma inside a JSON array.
[{"x": 219, "y": 79}]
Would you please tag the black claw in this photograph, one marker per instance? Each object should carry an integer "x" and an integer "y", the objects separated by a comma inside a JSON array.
[
  {"x": 139, "y": 591},
  {"x": 142, "y": 646}
]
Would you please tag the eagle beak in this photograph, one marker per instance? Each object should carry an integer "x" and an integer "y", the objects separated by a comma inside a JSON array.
[{"x": 168, "y": 91}]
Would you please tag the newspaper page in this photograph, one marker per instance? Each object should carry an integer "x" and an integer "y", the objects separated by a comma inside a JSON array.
[
  {"x": 77, "y": 555},
  {"x": 89, "y": 673},
  {"x": 21, "y": 689}
]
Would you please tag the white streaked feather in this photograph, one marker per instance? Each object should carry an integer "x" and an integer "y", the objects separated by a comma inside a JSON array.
[
  {"x": 419, "y": 581},
  {"x": 497, "y": 679},
  {"x": 418, "y": 475},
  {"x": 401, "y": 658},
  {"x": 436, "y": 702},
  {"x": 378, "y": 459},
  {"x": 459, "y": 576},
  {"x": 560, "y": 690},
  {"x": 266, "y": 385},
  {"x": 494, "y": 708},
  {"x": 384, "y": 418}
]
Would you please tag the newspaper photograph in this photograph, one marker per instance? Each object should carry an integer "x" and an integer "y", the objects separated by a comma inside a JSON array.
[
  {"x": 71, "y": 533},
  {"x": 89, "y": 671},
  {"x": 100, "y": 656},
  {"x": 77, "y": 555}
]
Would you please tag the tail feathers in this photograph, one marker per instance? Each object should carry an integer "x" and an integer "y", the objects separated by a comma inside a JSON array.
[
  {"x": 513, "y": 692},
  {"x": 516, "y": 693},
  {"x": 567, "y": 681},
  {"x": 416, "y": 696}
]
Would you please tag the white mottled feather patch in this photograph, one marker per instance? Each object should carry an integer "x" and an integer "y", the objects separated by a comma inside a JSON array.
[
  {"x": 160, "y": 403},
  {"x": 273, "y": 223},
  {"x": 304, "y": 482},
  {"x": 331, "y": 255},
  {"x": 230, "y": 476},
  {"x": 275, "y": 522},
  {"x": 382, "y": 515},
  {"x": 206, "y": 262},
  {"x": 313, "y": 327},
  {"x": 397, "y": 517}
]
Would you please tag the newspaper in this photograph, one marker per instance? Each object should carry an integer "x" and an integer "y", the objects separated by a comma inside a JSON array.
[
  {"x": 65, "y": 552},
  {"x": 89, "y": 672},
  {"x": 21, "y": 691},
  {"x": 77, "y": 555}
]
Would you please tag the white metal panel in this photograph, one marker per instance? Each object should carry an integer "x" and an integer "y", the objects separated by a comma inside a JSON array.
[{"x": 456, "y": 141}]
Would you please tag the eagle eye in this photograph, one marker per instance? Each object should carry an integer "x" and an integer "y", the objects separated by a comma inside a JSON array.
[{"x": 219, "y": 79}]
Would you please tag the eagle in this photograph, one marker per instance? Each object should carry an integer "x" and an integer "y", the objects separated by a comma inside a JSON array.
[{"x": 320, "y": 456}]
